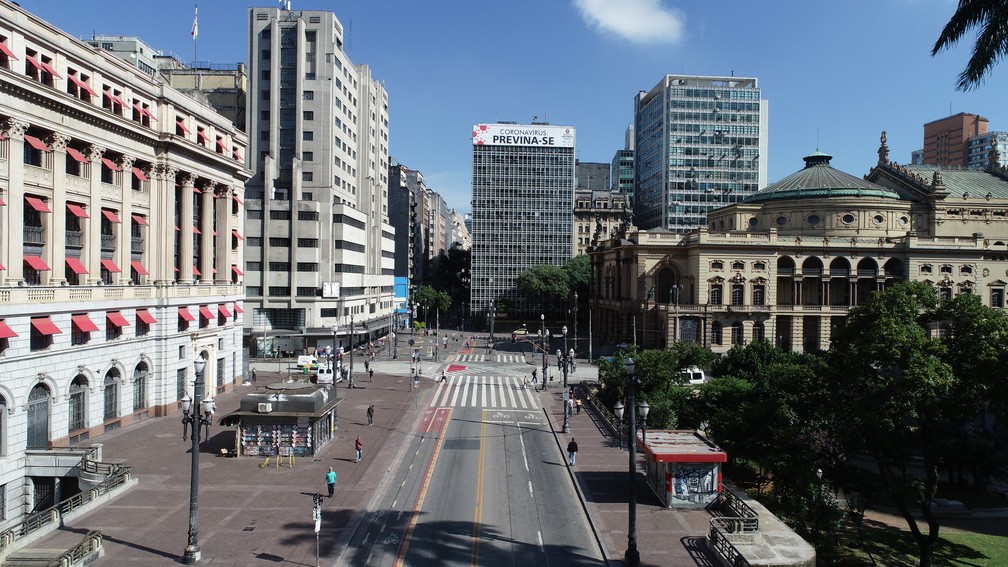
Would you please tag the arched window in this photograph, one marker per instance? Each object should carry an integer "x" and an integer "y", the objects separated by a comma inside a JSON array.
[
  {"x": 759, "y": 294},
  {"x": 737, "y": 291},
  {"x": 715, "y": 333},
  {"x": 140, "y": 386},
  {"x": 110, "y": 394},
  {"x": 736, "y": 333},
  {"x": 78, "y": 404},
  {"x": 758, "y": 331},
  {"x": 38, "y": 417},
  {"x": 715, "y": 294}
]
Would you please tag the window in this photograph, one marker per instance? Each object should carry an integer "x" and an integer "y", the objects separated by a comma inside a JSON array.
[
  {"x": 254, "y": 241},
  {"x": 180, "y": 382},
  {"x": 309, "y": 95},
  {"x": 307, "y": 242},
  {"x": 759, "y": 266},
  {"x": 715, "y": 295},
  {"x": 813, "y": 220},
  {"x": 306, "y": 292},
  {"x": 308, "y": 135},
  {"x": 308, "y": 115},
  {"x": 758, "y": 331},
  {"x": 110, "y": 395},
  {"x": 278, "y": 242},
  {"x": 945, "y": 294},
  {"x": 308, "y": 215},
  {"x": 926, "y": 269},
  {"x": 307, "y": 267},
  {"x": 946, "y": 269},
  {"x": 278, "y": 266},
  {"x": 759, "y": 295},
  {"x": 738, "y": 265},
  {"x": 307, "y": 176},
  {"x": 997, "y": 297},
  {"x": 307, "y": 156},
  {"x": 77, "y": 404},
  {"x": 717, "y": 265},
  {"x": 715, "y": 332},
  {"x": 737, "y": 291},
  {"x": 965, "y": 269},
  {"x": 280, "y": 215},
  {"x": 140, "y": 387}
]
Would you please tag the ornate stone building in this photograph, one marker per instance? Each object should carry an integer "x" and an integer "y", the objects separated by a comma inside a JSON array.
[
  {"x": 121, "y": 253},
  {"x": 788, "y": 262}
]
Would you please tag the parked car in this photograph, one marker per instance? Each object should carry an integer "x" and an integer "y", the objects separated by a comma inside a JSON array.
[{"x": 692, "y": 376}]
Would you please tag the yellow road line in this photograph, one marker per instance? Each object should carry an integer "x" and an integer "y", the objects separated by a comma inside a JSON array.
[{"x": 424, "y": 485}]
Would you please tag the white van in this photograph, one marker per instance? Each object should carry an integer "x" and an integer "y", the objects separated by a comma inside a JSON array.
[
  {"x": 307, "y": 360},
  {"x": 325, "y": 374},
  {"x": 692, "y": 376}
]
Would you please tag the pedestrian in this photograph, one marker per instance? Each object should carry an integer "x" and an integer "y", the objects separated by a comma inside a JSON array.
[
  {"x": 577, "y": 405},
  {"x": 572, "y": 449},
  {"x": 330, "y": 479},
  {"x": 370, "y": 416},
  {"x": 360, "y": 448},
  {"x": 253, "y": 375},
  {"x": 445, "y": 339},
  {"x": 572, "y": 365},
  {"x": 570, "y": 407},
  {"x": 367, "y": 365},
  {"x": 370, "y": 374},
  {"x": 444, "y": 376},
  {"x": 535, "y": 379}
]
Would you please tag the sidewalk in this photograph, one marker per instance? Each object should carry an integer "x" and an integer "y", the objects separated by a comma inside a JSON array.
[{"x": 664, "y": 536}]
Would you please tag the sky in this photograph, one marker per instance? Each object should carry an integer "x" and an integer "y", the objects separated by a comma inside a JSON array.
[{"x": 835, "y": 74}]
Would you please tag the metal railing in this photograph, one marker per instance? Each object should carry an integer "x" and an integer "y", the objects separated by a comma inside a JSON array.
[
  {"x": 725, "y": 531},
  {"x": 91, "y": 543},
  {"x": 118, "y": 475},
  {"x": 725, "y": 549}
]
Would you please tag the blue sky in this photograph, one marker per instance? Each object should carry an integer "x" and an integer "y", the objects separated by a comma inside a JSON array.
[{"x": 835, "y": 73}]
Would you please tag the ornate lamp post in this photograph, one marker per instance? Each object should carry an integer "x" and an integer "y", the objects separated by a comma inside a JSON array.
[
  {"x": 201, "y": 416},
  {"x": 632, "y": 557},
  {"x": 675, "y": 289},
  {"x": 566, "y": 392}
]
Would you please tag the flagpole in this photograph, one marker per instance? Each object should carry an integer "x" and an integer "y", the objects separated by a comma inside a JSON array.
[{"x": 195, "y": 33}]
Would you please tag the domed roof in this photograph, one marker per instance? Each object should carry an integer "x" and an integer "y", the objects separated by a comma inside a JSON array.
[{"x": 819, "y": 180}]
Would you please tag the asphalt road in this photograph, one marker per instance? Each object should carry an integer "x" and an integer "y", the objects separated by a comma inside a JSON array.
[{"x": 481, "y": 483}]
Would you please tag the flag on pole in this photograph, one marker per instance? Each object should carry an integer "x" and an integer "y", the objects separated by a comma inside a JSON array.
[{"x": 195, "y": 23}]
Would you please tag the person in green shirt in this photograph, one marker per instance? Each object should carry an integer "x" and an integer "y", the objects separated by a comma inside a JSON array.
[{"x": 330, "y": 479}]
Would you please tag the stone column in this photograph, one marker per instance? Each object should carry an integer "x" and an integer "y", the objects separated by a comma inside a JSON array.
[
  {"x": 57, "y": 228},
  {"x": 222, "y": 243},
  {"x": 91, "y": 254},
  {"x": 188, "y": 185},
  {"x": 12, "y": 257},
  {"x": 161, "y": 233},
  {"x": 124, "y": 253},
  {"x": 206, "y": 224}
]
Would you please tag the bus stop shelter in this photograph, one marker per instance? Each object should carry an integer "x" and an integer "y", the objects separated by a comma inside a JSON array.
[{"x": 683, "y": 467}]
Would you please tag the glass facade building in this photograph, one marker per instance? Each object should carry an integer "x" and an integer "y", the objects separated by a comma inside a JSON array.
[
  {"x": 701, "y": 143},
  {"x": 523, "y": 203}
]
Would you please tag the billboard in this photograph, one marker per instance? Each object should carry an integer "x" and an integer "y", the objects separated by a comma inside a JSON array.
[{"x": 537, "y": 135}]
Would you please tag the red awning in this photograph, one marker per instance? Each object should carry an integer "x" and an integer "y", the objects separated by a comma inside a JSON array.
[
  {"x": 146, "y": 317},
  {"x": 185, "y": 314},
  {"x": 202, "y": 136},
  {"x": 238, "y": 308},
  {"x": 38, "y": 204},
  {"x": 116, "y": 319},
  {"x": 205, "y": 311},
  {"x": 140, "y": 220},
  {"x": 237, "y": 235},
  {"x": 236, "y": 155},
  {"x": 5, "y": 331},
  {"x": 45, "y": 326},
  {"x": 110, "y": 215},
  {"x": 146, "y": 111},
  {"x": 139, "y": 174},
  {"x": 36, "y": 143},
  {"x": 196, "y": 230},
  {"x": 7, "y": 51},
  {"x": 138, "y": 267},
  {"x": 196, "y": 190},
  {"x": 2, "y": 202},
  {"x": 36, "y": 263},
  {"x": 110, "y": 266},
  {"x": 237, "y": 270},
  {"x": 81, "y": 84},
  {"x": 182, "y": 126},
  {"x": 195, "y": 271},
  {"x": 115, "y": 98},
  {"x": 83, "y": 322},
  {"x": 110, "y": 164},
  {"x": 177, "y": 229},
  {"x": 77, "y": 210},
  {"x": 76, "y": 155},
  {"x": 76, "y": 266},
  {"x": 220, "y": 144},
  {"x": 50, "y": 69},
  {"x": 237, "y": 200},
  {"x": 223, "y": 311},
  {"x": 35, "y": 62}
]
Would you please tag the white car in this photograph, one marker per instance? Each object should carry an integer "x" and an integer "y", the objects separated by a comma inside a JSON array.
[{"x": 692, "y": 376}]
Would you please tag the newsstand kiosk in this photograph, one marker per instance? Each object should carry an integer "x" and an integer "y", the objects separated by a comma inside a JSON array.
[
  {"x": 285, "y": 419},
  {"x": 683, "y": 467}
]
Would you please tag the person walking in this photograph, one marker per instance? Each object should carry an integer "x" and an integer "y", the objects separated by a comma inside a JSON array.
[
  {"x": 572, "y": 450},
  {"x": 253, "y": 375},
  {"x": 330, "y": 479},
  {"x": 360, "y": 449},
  {"x": 570, "y": 407},
  {"x": 370, "y": 374},
  {"x": 444, "y": 376},
  {"x": 370, "y": 417},
  {"x": 577, "y": 405}
]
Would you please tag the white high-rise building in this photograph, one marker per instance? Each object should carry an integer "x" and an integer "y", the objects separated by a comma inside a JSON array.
[
  {"x": 523, "y": 206},
  {"x": 121, "y": 251},
  {"x": 320, "y": 248},
  {"x": 700, "y": 144}
]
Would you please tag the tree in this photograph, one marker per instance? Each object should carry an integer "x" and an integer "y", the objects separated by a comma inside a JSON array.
[
  {"x": 578, "y": 270},
  {"x": 991, "y": 17},
  {"x": 903, "y": 400},
  {"x": 541, "y": 284},
  {"x": 430, "y": 298}
]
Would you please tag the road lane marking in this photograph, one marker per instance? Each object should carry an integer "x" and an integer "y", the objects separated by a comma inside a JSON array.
[
  {"x": 510, "y": 392},
  {"x": 493, "y": 392},
  {"x": 521, "y": 438},
  {"x": 445, "y": 417},
  {"x": 539, "y": 536},
  {"x": 475, "y": 391},
  {"x": 530, "y": 490},
  {"x": 465, "y": 389},
  {"x": 478, "y": 511}
]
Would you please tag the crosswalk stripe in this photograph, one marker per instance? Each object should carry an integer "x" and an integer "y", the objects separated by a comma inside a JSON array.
[{"x": 469, "y": 390}]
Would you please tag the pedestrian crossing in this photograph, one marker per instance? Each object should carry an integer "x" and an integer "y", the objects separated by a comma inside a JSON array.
[
  {"x": 498, "y": 357},
  {"x": 504, "y": 392}
]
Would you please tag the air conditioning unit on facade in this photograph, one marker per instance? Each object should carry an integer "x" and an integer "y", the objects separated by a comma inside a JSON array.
[{"x": 265, "y": 407}]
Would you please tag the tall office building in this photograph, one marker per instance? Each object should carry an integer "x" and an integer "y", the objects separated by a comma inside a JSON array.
[
  {"x": 945, "y": 140},
  {"x": 978, "y": 149},
  {"x": 121, "y": 251},
  {"x": 320, "y": 248},
  {"x": 701, "y": 143},
  {"x": 591, "y": 176},
  {"x": 523, "y": 202}
]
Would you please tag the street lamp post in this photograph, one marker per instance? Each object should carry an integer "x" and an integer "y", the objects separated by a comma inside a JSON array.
[
  {"x": 566, "y": 392},
  {"x": 542, "y": 344},
  {"x": 350, "y": 383},
  {"x": 676, "y": 288},
  {"x": 201, "y": 416},
  {"x": 632, "y": 557},
  {"x": 492, "y": 315}
]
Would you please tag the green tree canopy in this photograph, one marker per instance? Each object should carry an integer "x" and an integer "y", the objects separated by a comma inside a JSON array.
[{"x": 545, "y": 281}]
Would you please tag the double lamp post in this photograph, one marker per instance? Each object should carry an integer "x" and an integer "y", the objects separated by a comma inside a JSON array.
[
  {"x": 632, "y": 557},
  {"x": 200, "y": 417}
]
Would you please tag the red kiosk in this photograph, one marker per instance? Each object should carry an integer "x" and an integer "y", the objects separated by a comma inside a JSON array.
[{"x": 682, "y": 467}]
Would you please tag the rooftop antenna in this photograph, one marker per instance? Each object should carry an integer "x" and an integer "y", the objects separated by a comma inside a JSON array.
[{"x": 817, "y": 139}]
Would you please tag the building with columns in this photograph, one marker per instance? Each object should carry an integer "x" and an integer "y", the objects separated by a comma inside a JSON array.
[
  {"x": 121, "y": 253},
  {"x": 788, "y": 263}
]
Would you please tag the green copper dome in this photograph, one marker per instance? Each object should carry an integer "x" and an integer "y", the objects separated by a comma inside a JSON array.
[{"x": 819, "y": 180}]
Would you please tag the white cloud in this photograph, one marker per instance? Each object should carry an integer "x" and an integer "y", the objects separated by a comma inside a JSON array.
[{"x": 641, "y": 21}]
